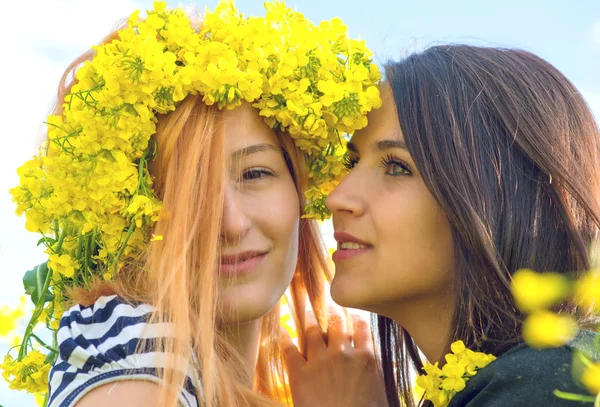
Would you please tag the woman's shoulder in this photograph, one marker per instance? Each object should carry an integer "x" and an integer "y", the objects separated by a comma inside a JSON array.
[
  {"x": 106, "y": 318},
  {"x": 524, "y": 376},
  {"x": 110, "y": 340}
]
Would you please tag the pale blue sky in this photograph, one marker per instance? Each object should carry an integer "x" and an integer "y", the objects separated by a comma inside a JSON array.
[
  {"x": 566, "y": 33},
  {"x": 48, "y": 34}
]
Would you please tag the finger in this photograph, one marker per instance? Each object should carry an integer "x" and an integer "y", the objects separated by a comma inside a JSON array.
[
  {"x": 362, "y": 332},
  {"x": 338, "y": 337},
  {"x": 292, "y": 358},
  {"x": 316, "y": 346}
]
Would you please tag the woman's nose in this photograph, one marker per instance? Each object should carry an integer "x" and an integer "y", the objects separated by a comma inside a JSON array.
[{"x": 235, "y": 220}]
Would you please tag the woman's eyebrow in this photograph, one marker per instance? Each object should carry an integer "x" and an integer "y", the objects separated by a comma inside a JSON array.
[
  {"x": 254, "y": 149},
  {"x": 383, "y": 145},
  {"x": 352, "y": 147}
]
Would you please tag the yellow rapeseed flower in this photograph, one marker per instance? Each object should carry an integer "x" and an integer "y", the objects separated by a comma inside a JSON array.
[
  {"x": 587, "y": 290},
  {"x": 591, "y": 378},
  {"x": 9, "y": 318},
  {"x": 30, "y": 374},
  {"x": 63, "y": 264},
  {"x": 545, "y": 329},
  {"x": 533, "y": 291},
  {"x": 440, "y": 385}
]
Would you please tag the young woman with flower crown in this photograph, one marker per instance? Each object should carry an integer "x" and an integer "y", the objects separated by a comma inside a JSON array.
[
  {"x": 481, "y": 162},
  {"x": 161, "y": 177}
]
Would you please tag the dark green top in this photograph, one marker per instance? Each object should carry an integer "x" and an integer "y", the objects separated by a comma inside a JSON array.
[{"x": 526, "y": 377}]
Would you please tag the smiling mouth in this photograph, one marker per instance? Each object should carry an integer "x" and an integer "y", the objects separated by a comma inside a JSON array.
[
  {"x": 349, "y": 247},
  {"x": 240, "y": 264},
  {"x": 349, "y": 250}
]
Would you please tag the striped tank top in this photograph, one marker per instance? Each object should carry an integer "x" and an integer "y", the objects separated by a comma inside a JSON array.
[{"x": 97, "y": 345}]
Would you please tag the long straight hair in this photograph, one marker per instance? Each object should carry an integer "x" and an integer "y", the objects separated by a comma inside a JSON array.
[
  {"x": 511, "y": 152},
  {"x": 178, "y": 275}
]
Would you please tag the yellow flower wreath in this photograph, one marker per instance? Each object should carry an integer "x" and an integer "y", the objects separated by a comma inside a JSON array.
[{"x": 89, "y": 193}]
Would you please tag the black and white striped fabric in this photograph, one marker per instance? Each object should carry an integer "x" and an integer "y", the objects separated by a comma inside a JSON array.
[{"x": 97, "y": 345}]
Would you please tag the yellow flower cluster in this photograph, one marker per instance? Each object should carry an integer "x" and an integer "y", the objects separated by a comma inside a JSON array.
[
  {"x": 29, "y": 374},
  {"x": 89, "y": 192},
  {"x": 536, "y": 293},
  {"x": 441, "y": 384},
  {"x": 311, "y": 81}
]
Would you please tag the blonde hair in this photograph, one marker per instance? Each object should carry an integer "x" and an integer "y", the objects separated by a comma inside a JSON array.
[{"x": 178, "y": 275}]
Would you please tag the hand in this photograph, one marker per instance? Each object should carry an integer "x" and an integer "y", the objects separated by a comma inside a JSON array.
[{"x": 340, "y": 373}]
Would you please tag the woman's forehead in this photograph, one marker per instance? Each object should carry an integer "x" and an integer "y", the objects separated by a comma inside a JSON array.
[
  {"x": 245, "y": 127},
  {"x": 382, "y": 123}
]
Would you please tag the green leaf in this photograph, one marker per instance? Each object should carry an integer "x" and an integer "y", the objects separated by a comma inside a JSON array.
[
  {"x": 33, "y": 281},
  {"x": 45, "y": 240}
]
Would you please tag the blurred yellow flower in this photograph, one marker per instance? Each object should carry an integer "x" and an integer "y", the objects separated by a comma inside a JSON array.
[
  {"x": 9, "y": 318},
  {"x": 591, "y": 378},
  {"x": 533, "y": 291},
  {"x": 545, "y": 329},
  {"x": 40, "y": 399},
  {"x": 587, "y": 290}
]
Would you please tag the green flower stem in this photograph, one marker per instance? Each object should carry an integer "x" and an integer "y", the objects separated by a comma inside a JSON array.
[
  {"x": 124, "y": 245},
  {"x": 41, "y": 342},
  {"x": 57, "y": 231},
  {"x": 39, "y": 307},
  {"x": 36, "y": 314},
  {"x": 574, "y": 397},
  {"x": 54, "y": 340},
  {"x": 141, "y": 165},
  {"x": 79, "y": 247},
  {"x": 90, "y": 248}
]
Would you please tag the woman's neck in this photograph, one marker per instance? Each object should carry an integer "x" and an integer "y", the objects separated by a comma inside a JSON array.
[
  {"x": 244, "y": 339},
  {"x": 429, "y": 323}
]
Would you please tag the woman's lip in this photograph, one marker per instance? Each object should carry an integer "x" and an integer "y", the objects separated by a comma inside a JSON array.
[
  {"x": 342, "y": 237},
  {"x": 243, "y": 267},
  {"x": 240, "y": 256},
  {"x": 340, "y": 255}
]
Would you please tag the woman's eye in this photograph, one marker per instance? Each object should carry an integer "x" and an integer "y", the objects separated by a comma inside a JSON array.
[
  {"x": 350, "y": 162},
  {"x": 394, "y": 166},
  {"x": 256, "y": 173}
]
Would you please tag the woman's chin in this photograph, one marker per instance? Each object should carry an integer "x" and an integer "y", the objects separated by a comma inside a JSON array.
[
  {"x": 241, "y": 305},
  {"x": 344, "y": 293},
  {"x": 238, "y": 313}
]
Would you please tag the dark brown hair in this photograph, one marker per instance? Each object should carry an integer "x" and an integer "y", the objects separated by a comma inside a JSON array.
[{"x": 511, "y": 152}]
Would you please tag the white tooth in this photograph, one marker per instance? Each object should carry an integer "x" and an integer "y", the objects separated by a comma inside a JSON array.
[{"x": 351, "y": 246}]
